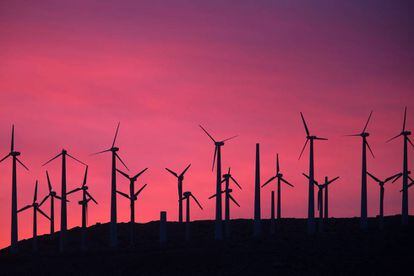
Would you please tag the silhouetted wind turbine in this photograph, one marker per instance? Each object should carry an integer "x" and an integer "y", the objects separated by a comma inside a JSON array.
[
  {"x": 404, "y": 204},
  {"x": 320, "y": 202},
  {"x": 86, "y": 197},
  {"x": 14, "y": 225},
  {"x": 217, "y": 154},
  {"x": 187, "y": 196},
  {"x": 180, "y": 178},
  {"x": 52, "y": 195},
  {"x": 280, "y": 179},
  {"x": 36, "y": 209},
  {"x": 381, "y": 202},
  {"x": 326, "y": 199},
  {"x": 133, "y": 196},
  {"x": 227, "y": 191},
  {"x": 63, "y": 206},
  {"x": 113, "y": 236},
  {"x": 364, "y": 211},
  {"x": 311, "y": 200},
  {"x": 257, "y": 219}
]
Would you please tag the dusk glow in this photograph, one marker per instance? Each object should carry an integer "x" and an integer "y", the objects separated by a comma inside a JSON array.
[{"x": 71, "y": 71}]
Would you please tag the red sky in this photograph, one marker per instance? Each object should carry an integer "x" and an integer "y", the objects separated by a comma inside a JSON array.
[{"x": 71, "y": 71}]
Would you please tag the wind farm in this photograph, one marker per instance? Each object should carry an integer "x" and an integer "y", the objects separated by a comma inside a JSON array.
[{"x": 206, "y": 137}]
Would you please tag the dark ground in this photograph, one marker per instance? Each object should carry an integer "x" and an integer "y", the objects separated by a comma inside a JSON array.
[{"x": 342, "y": 249}]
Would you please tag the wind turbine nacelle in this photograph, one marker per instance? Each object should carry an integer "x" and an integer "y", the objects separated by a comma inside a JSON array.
[
  {"x": 15, "y": 153},
  {"x": 365, "y": 134},
  {"x": 64, "y": 151},
  {"x": 219, "y": 144},
  {"x": 186, "y": 194},
  {"x": 53, "y": 193},
  {"x": 407, "y": 132},
  {"x": 114, "y": 149},
  {"x": 279, "y": 175},
  {"x": 35, "y": 204},
  {"x": 230, "y": 190}
]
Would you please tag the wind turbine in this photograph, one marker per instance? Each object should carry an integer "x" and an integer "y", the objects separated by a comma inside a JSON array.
[
  {"x": 227, "y": 191},
  {"x": 52, "y": 195},
  {"x": 311, "y": 200},
  {"x": 381, "y": 184},
  {"x": 217, "y": 154},
  {"x": 14, "y": 225},
  {"x": 326, "y": 203},
  {"x": 36, "y": 209},
  {"x": 63, "y": 202},
  {"x": 86, "y": 197},
  {"x": 187, "y": 196},
  {"x": 113, "y": 236},
  {"x": 364, "y": 210},
  {"x": 404, "y": 133},
  {"x": 133, "y": 196},
  {"x": 280, "y": 179},
  {"x": 320, "y": 202},
  {"x": 180, "y": 178},
  {"x": 257, "y": 223}
]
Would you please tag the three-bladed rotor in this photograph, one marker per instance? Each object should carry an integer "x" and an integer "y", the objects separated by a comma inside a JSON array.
[{"x": 308, "y": 135}]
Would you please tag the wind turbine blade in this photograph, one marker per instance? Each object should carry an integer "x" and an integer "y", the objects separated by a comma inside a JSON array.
[
  {"x": 228, "y": 171},
  {"x": 369, "y": 118},
  {"x": 43, "y": 213},
  {"x": 232, "y": 199},
  {"x": 124, "y": 174},
  {"x": 235, "y": 182},
  {"x": 35, "y": 192},
  {"x": 370, "y": 150},
  {"x": 172, "y": 172},
  {"x": 405, "y": 118},
  {"x": 332, "y": 180},
  {"x": 44, "y": 200},
  {"x": 353, "y": 135},
  {"x": 85, "y": 176},
  {"x": 102, "y": 151},
  {"x": 48, "y": 182},
  {"x": 230, "y": 138},
  {"x": 277, "y": 163},
  {"x": 214, "y": 157},
  {"x": 304, "y": 124},
  {"x": 52, "y": 159},
  {"x": 24, "y": 208},
  {"x": 21, "y": 163},
  {"x": 91, "y": 197},
  {"x": 140, "y": 190},
  {"x": 76, "y": 159},
  {"x": 213, "y": 196},
  {"x": 270, "y": 180},
  {"x": 307, "y": 176},
  {"x": 141, "y": 172},
  {"x": 116, "y": 134},
  {"x": 321, "y": 138},
  {"x": 303, "y": 149},
  {"x": 73, "y": 191},
  {"x": 391, "y": 177},
  {"x": 5, "y": 157},
  {"x": 119, "y": 158},
  {"x": 208, "y": 134},
  {"x": 185, "y": 170},
  {"x": 198, "y": 203},
  {"x": 286, "y": 182},
  {"x": 409, "y": 141},
  {"x": 12, "y": 140},
  {"x": 373, "y": 177},
  {"x": 58, "y": 197},
  {"x": 396, "y": 136},
  {"x": 123, "y": 194},
  {"x": 314, "y": 181},
  {"x": 395, "y": 179}
]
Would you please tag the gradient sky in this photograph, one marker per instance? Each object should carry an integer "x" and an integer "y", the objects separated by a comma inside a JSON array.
[{"x": 71, "y": 71}]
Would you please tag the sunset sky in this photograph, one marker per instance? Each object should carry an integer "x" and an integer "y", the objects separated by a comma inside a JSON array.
[{"x": 71, "y": 71}]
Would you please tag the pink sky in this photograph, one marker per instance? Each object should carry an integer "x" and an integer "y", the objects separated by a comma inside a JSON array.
[{"x": 71, "y": 71}]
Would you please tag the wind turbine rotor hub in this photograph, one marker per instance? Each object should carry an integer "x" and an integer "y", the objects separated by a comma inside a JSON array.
[
  {"x": 219, "y": 144},
  {"x": 364, "y": 134},
  {"x": 406, "y": 133},
  {"x": 186, "y": 194},
  {"x": 114, "y": 149},
  {"x": 53, "y": 193},
  {"x": 64, "y": 151},
  {"x": 35, "y": 204},
  {"x": 14, "y": 153}
]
